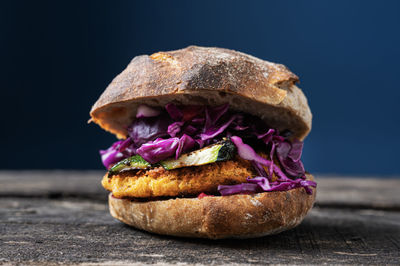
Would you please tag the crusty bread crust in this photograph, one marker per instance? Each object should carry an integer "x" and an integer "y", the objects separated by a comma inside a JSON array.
[
  {"x": 199, "y": 75},
  {"x": 236, "y": 216}
]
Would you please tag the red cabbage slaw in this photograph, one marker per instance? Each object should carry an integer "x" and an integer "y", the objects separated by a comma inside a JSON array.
[{"x": 158, "y": 134}]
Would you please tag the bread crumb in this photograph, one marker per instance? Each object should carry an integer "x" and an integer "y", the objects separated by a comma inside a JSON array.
[{"x": 256, "y": 202}]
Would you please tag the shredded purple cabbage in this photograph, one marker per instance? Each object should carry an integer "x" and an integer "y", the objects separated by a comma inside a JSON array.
[
  {"x": 290, "y": 154},
  {"x": 244, "y": 188},
  {"x": 147, "y": 129},
  {"x": 262, "y": 184},
  {"x": 146, "y": 111},
  {"x": 159, "y": 149},
  {"x": 157, "y": 135},
  {"x": 175, "y": 128},
  {"x": 174, "y": 112},
  {"x": 118, "y": 151}
]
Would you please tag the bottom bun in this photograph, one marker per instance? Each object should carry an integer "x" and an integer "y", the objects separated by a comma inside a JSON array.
[{"x": 235, "y": 216}]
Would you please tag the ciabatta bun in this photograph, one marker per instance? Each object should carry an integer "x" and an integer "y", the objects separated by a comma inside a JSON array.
[
  {"x": 199, "y": 75},
  {"x": 236, "y": 216}
]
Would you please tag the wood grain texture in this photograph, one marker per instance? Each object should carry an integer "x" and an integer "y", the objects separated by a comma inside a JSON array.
[
  {"x": 62, "y": 217},
  {"x": 76, "y": 231},
  {"x": 52, "y": 184},
  {"x": 361, "y": 192}
]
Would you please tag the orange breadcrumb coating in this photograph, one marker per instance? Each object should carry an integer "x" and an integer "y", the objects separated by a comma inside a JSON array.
[{"x": 159, "y": 182}]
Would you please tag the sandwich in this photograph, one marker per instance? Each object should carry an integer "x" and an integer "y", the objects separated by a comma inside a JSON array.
[{"x": 210, "y": 144}]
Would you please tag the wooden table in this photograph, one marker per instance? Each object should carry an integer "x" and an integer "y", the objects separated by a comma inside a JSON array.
[{"x": 53, "y": 217}]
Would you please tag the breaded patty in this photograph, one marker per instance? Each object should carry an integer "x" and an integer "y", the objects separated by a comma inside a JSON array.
[{"x": 159, "y": 182}]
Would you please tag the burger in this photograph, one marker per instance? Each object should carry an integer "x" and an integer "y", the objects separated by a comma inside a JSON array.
[{"x": 210, "y": 145}]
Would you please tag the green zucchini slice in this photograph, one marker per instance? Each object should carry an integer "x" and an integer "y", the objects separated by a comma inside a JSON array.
[
  {"x": 131, "y": 163},
  {"x": 221, "y": 151}
]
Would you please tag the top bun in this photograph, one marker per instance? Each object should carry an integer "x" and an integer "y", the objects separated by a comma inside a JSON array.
[{"x": 211, "y": 76}]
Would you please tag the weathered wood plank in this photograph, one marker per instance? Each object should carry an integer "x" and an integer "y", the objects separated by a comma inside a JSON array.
[
  {"x": 78, "y": 231},
  {"x": 332, "y": 191},
  {"x": 359, "y": 192},
  {"x": 52, "y": 183}
]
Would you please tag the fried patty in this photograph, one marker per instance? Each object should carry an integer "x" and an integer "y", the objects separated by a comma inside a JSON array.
[{"x": 159, "y": 182}]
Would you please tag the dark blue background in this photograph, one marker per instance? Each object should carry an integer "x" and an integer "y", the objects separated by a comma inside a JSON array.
[{"x": 58, "y": 56}]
